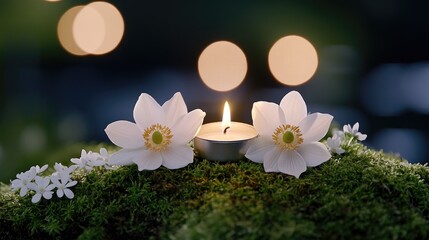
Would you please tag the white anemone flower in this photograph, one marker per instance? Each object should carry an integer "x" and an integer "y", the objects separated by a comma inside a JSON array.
[
  {"x": 288, "y": 139},
  {"x": 23, "y": 180},
  {"x": 160, "y": 135},
  {"x": 42, "y": 188},
  {"x": 354, "y": 131}
]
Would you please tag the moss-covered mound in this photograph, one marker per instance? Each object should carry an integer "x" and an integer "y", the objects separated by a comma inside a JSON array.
[{"x": 361, "y": 195}]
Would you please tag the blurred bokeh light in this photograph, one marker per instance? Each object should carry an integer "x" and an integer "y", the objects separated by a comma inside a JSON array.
[
  {"x": 89, "y": 29},
  {"x": 65, "y": 31},
  {"x": 96, "y": 28},
  {"x": 114, "y": 24},
  {"x": 293, "y": 60},
  {"x": 222, "y": 66}
]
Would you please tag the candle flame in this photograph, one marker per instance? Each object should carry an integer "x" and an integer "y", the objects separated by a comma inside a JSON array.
[{"x": 226, "y": 119}]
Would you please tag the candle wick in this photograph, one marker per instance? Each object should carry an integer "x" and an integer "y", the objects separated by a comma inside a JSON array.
[{"x": 224, "y": 131}]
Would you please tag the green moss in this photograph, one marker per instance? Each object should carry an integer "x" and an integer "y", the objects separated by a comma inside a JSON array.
[{"x": 362, "y": 194}]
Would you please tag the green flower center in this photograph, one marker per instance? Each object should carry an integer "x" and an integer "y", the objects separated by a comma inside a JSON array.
[
  {"x": 157, "y": 137},
  {"x": 287, "y": 137}
]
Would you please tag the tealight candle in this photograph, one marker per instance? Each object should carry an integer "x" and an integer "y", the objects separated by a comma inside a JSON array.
[{"x": 224, "y": 141}]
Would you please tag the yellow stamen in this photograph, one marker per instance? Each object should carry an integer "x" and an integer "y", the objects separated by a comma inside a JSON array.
[
  {"x": 287, "y": 137},
  {"x": 157, "y": 137}
]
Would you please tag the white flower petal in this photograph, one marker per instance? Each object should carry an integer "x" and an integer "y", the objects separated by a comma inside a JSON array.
[
  {"x": 20, "y": 175},
  {"x": 47, "y": 195},
  {"x": 16, "y": 184},
  {"x": 258, "y": 148},
  {"x": 76, "y": 161},
  {"x": 59, "y": 167},
  {"x": 271, "y": 160},
  {"x": 315, "y": 126},
  {"x": 60, "y": 193},
  {"x": 125, "y": 157},
  {"x": 314, "y": 153},
  {"x": 125, "y": 134},
  {"x": 291, "y": 163},
  {"x": 69, "y": 194},
  {"x": 44, "y": 181},
  {"x": 64, "y": 178},
  {"x": 32, "y": 186},
  {"x": 43, "y": 168},
  {"x": 147, "y": 112},
  {"x": 347, "y": 128},
  {"x": 361, "y": 136},
  {"x": 23, "y": 191},
  {"x": 103, "y": 152},
  {"x": 31, "y": 174},
  {"x": 282, "y": 116},
  {"x": 174, "y": 109},
  {"x": 177, "y": 157},
  {"x": 55, "y": 179},
  {"x": 338, "y": 134},
  {"x": 355, "y": 127},
  {"x": 148, "y": 160},
  {"x": 265, "y": 117},
  {"x": 50, "y": 187},
  {"x": 36, "y": 198},
  {"x": 187, "y": 127},
  {"x": 88, "y": 168},
  {"x": 83, "y": 153},
  {"x": 339, "y": 151},
  {"x": 294, "y": 107},
  {"x": 71, "y": 184}
]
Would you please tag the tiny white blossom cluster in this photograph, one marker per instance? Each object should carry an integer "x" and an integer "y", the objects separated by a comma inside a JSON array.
[
  {"x": 88, "y": 161},
  {"x": 32, "y": 181},
  {"x": 337, "y": 140}
]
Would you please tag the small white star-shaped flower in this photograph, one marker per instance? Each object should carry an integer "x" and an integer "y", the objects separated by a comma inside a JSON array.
[
  {"x": 63, "y": 183},
  {"x": 354, "y": 131},
  {"x": 334, "y": 145},
  {"x": 42, "y": 188},
  {"x": 23, "y": 180}
]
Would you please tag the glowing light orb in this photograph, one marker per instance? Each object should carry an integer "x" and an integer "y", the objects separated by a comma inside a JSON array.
[
  {"x": 293, "y": 60},
  {"x": 65, "y": 33},
  {"x": 114, "y": 26},
  {"x": 222, "y": 66},
  {"x": 96, "y": 28},
  {"x": 89, "y": 29}
]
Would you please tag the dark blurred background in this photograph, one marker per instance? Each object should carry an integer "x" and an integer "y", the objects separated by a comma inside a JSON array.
[{"x": 373, "y": 68}]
